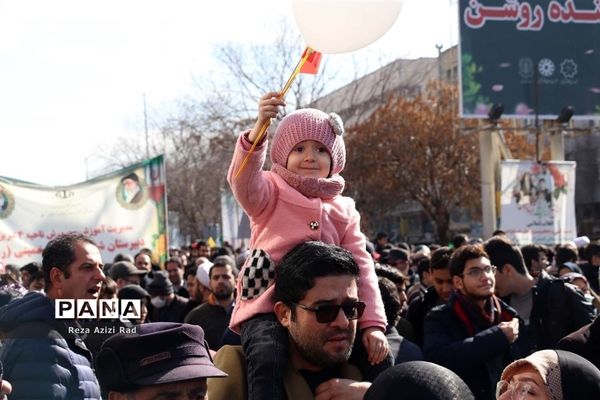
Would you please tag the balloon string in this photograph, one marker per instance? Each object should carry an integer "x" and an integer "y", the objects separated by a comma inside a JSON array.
[{"x": 265, "y": 125}]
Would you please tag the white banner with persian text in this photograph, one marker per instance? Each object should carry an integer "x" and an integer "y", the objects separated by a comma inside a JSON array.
[
  {"x": 122, "y": 212},
  {"x": 538, "y": 201}
]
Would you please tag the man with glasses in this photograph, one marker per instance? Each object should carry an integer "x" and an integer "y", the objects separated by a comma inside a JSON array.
[
  {"x": 475, "y": 333},
  {"x": 550, "y": 308},
  {"x": 317, "y": 302}
]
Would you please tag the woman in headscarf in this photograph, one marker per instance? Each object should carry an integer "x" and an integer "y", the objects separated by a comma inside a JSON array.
[
  {"x": 418, "y": 380},
  {"x": 550, "y": 375}
]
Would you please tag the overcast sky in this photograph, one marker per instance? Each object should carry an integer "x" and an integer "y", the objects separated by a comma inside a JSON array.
[{"x": 73, "y": 72}]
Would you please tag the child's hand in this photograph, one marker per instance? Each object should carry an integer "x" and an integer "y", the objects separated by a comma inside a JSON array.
[
  {"x": 376, "y": 345},
  {"x": 268, "y": 107}
]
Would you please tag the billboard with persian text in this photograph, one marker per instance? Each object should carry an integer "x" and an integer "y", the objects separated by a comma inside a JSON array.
[{"x": 529, "y": 56}]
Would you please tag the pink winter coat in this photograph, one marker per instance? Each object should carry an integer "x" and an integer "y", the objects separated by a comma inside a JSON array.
[{"x": 281, "y": 218}]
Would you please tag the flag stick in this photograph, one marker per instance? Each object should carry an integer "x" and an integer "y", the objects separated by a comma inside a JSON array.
[{"x": 282, "y": 94}]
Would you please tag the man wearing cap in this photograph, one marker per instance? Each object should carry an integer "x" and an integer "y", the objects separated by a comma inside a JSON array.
[
  {"x": 44, "y": 357},
  {"x": 125, "y": 273},
  {"x": 166, "y": 306},
  {"x": 317, "y": 302},
  {"x": 159, "y": 361}
]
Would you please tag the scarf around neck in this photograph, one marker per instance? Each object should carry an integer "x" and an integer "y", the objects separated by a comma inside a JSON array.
[
  {"x": 324, "y": 188},
  {"x": 475, "y": 319}
]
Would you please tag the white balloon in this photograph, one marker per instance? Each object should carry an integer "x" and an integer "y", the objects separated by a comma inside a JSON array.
[{"x": 339, "y": 26}]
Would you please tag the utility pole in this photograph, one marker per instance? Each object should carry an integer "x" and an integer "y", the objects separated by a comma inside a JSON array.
[
  {"x": 439, "y": 48},
  {"x": 146, "y": 128}
]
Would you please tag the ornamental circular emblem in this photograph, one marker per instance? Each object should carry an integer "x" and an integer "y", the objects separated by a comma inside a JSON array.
[
  {"x": 7, "y": 202},
  {"x": 132, "y": 192},
  {"x": 546, "y": 67}
]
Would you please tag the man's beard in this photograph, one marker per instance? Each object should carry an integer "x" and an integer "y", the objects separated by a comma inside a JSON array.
[
  {"x": 314, "y": 353},
  {"x": 223, "y": 294},
  {"x": 475, "y": 296}
]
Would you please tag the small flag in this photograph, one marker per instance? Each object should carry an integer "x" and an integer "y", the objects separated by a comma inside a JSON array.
[{"x": 311, "y": 66}]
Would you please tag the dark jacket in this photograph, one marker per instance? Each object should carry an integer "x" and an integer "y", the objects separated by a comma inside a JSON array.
[
  {"x": 402, "y": 349},
  {"x": 585, "y": 342},
  {"x": 478, "y": 359},
  {"x": 175, "y": 311},
  {"x": 418, "y": 309},
  {"x": 591, "y": 273},
  {"x": 558, "y": 309},
  {"x": 213, "y": 319},
  {"x": 42, "y": 359}
]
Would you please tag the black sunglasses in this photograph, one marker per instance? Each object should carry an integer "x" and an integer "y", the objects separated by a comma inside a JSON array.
[{"x": 327, "y": 313}]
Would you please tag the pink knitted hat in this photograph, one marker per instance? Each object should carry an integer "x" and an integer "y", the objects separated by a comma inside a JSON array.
[{"x": 310, "y": 124}]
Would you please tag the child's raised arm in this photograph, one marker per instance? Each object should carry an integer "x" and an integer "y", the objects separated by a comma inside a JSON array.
[{"x": 268, "y": 107}]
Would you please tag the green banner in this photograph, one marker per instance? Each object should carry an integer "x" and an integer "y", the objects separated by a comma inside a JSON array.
[{"x": 508, "y": 46}]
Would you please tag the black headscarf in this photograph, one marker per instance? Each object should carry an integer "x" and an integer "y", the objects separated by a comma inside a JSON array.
[
  {"x": 418, "y": 380},
  {"x": 580, "y": 378}
]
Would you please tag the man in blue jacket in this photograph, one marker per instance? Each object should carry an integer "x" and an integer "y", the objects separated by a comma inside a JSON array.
[
  {"x": 474, "y": 334},
  {"x": 43, "y": 357}
]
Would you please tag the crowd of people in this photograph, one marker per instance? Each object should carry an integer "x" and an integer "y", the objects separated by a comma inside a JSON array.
[
  {"x": 310, "y": 309},
  {"x": 469, "y": 320}
]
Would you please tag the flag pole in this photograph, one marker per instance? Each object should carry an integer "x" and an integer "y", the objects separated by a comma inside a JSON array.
[{"x": 307, "y": 53}]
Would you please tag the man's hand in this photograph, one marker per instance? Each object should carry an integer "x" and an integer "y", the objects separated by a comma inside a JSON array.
[
  {"x": 341, "y": 389},
  {"x": 510, "y": 329},
  {"x": 376, "y": 345}
]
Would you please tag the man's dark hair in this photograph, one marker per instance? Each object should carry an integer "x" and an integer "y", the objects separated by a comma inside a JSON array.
[
  {"x": 109, "y": 289},
  {"x": 498, "y": 232},
  {"x": 462, "y": 255},
  {"x": 565, "y": 253},
  {"x": 381, "y": 235},
  {"x": 501, "y": 252},
  {"x": 32, "y": 267},
  {"x": 175, "y": 260},
  {"x": 423, "y": 266},
  {"x": 190, "y": 270},
  {"x": 391, "y": 300},
  {"x": 60, "y": 253},
  {"x": 122, "y": 257},
  {"x": 391, "y": 273},
  {"x": 224, "y": 261},
  {"x": 223, "y": 251},
  {"x": 298, "y": 269},
  {"x": 440, "y": 258},
  {"x": 198, "y": 244},
  {"x": 459, "y": 240},
  {"x": 532, "y": 252},
  {"x": 592, "y": 249}
]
